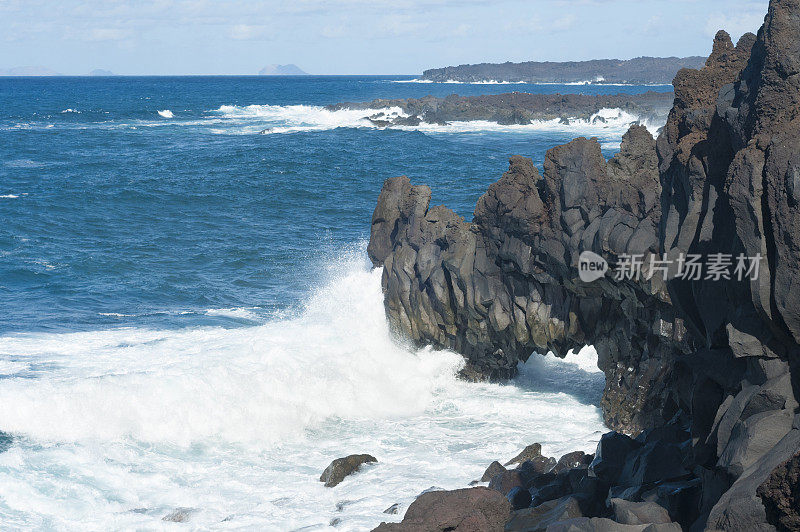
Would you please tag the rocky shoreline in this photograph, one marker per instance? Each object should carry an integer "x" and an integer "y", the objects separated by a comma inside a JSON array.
[
  {"x": 512, "y": 108},
  {"x": 702, "y": 374},
  {"x": 638, "y": 71}
]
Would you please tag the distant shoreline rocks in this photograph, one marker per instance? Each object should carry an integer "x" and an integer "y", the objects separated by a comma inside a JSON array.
[
  {"x": 514, "y": 108},
  {"x": 638, "y": 71}
]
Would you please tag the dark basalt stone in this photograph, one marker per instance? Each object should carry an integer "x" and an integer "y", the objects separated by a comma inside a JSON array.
[
  {"x": 494, "y": 469},
  {"x": 465, "y": 510},
  {"x": 780, "y": 494},
  {"x": 519, "y": 498},
  {"x": 342, "y": 467}
]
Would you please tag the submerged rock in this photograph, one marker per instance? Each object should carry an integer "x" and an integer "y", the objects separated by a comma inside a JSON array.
[
  {"x": 342, "y": 467},
  {"x": 179, "y": 515}
]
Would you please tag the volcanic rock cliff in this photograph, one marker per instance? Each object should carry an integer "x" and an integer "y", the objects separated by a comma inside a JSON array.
[{"x": 705, "y": 371}]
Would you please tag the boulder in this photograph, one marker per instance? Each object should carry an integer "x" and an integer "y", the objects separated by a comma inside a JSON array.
[
  {"x": 494, "y": 469},
  {"x": 519, "y": 498},
  {"x": 638, "y": 513},
  {"x": 599, "y": 524},
  {"x": 465, "y": 510},
  {"x": 780, "y": 494},
  {"x": 393, "y": 509},
  {"x": 342, "y": 467},
  {"x": 537, "y": 519},
  {"x": 530, "y": 452},
  {"x": 505, "y": 481},
  {"x": 611, "y": 456},
  {"x": 573, "y": 460}
]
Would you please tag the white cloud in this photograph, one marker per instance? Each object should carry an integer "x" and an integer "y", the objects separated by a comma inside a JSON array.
[
  {"x": 248, "y": 32},
  {"x": 737, "y": 24}
]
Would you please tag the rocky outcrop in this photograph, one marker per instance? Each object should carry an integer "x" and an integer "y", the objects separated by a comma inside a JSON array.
[
  {"x": 506, "y": 284},
  {"x": 514, "y": 108},
  {"x": 702, "y": 370},
  {"x": 641, "y": 70},
  {"x": 342, "y": 467}
]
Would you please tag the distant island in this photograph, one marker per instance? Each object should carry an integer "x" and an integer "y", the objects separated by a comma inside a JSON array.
[
  {"x": 99, "y": 72},
  {"x": 640, "y": 71},
  {"x": 29, "y": 71},
  {"x": 281, "y": 70}
]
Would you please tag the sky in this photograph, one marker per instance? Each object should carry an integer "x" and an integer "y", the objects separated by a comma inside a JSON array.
[{"x": 174, "y": 37}]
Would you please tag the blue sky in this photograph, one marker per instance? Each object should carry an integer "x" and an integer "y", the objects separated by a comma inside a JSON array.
[{"x": 353, "y": 36}]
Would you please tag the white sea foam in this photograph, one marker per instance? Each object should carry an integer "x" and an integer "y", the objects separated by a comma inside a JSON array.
[
  {"x": 70, "y": 110},
  {"x": 9, "y": 196},
  {"x": 456, "y": 82},
  {"x": 116, "y": 428},
  {"x": 166, "y": 113},
  {"x": 597, "y": 81},
  {"x": 296, "y": 118},
  {"x": 275, "y": 119}
]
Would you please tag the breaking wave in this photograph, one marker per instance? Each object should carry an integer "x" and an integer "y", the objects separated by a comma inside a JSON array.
[
  {"x": 273, "y": 119},
  {"x": 114, "y": 429}
]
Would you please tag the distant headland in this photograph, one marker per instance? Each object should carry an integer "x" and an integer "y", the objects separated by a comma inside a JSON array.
[{"x": 638, "y": 71}]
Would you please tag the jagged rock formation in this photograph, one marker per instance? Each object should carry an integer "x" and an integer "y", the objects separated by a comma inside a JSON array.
[
  {"x": 514, "y": 108},
  {"x": 641, "y": 70},
  {"x": 506, "y": 284},
  {"x": 706, "y": 370}
]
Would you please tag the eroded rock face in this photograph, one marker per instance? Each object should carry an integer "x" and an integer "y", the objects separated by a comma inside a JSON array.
[
  {"x": 507, "y": 284},
  {"x": 705, "y": 371}
]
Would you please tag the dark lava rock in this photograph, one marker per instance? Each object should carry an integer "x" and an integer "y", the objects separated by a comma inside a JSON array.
[
  {"x": 530, "y": 452},
  {"x": 342, "y": 467},
  {"x": 393, "y": 509},
  {"x": 519, "y": 498},
  {"x": 539, "y": 518},
  {"x": 611, "y": 456},
  {"x": 599, "y": 524},
  {"x": 494, "y": 469},
  {"x": 638, "y": 513},
  {"x": 573, "y": 460},
  {"x": 780, "y": 494},
  {"x": 512, "y": 108},
  {"x": 465, "y": 510},
  {"x": 505, "y": 481}
]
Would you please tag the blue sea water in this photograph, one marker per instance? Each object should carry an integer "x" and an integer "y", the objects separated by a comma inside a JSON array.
[
  {"x": 188, "y": 320},
  {"x": 110, "y": 209}
]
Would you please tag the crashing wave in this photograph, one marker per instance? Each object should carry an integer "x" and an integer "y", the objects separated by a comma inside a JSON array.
[{"x": 275, "y": 119}]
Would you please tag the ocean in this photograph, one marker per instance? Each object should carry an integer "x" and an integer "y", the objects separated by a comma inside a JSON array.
[{"x": 188, "y": 320}]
